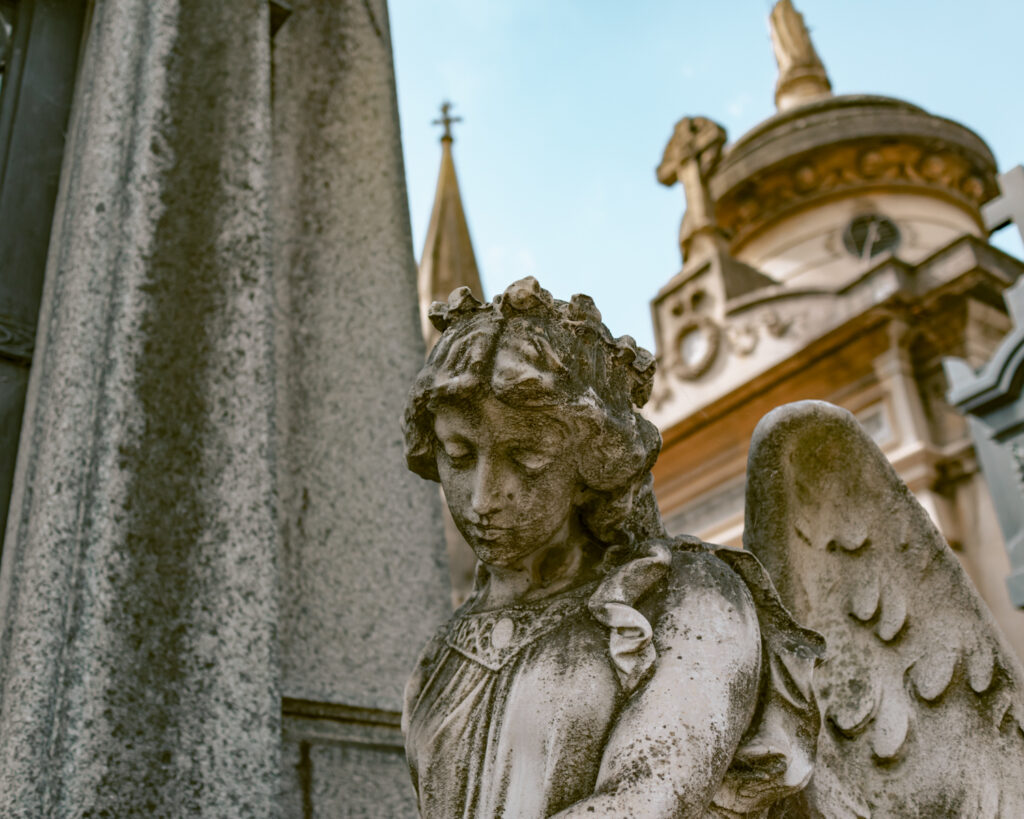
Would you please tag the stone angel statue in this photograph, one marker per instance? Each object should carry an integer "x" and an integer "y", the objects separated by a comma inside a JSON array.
[{"x": 601, "y": 668}]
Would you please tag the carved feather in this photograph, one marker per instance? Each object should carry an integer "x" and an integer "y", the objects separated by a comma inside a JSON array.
[{"x": 920, "y": 696}]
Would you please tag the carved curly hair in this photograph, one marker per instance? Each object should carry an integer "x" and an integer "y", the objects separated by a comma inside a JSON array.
[{"x": 533, "y": 351}]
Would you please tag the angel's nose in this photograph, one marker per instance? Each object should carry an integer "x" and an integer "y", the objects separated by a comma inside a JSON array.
[{"x": 488, "y": 488}]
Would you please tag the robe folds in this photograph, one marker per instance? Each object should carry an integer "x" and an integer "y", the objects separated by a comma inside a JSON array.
[{"x": 509, "y": 710}]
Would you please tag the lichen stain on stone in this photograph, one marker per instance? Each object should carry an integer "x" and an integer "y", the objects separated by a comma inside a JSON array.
[{"x": 171, "y": 465}]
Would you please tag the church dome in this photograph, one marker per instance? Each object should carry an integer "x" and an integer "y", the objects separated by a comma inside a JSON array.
[{"x": 840, "y": 147}]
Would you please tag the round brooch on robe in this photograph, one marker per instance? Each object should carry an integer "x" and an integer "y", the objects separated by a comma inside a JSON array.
[{"x": 501, "y": 634}]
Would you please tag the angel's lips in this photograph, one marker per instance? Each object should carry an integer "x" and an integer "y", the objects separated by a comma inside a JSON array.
[{"x": 488, "y": 534}]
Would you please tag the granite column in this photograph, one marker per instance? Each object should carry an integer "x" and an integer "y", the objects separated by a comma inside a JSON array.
[
  {"x": 138, "y": 592},
  {"x": 364, "y": 580}
]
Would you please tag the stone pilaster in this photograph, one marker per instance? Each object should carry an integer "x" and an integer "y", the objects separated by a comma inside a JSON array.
[
  {"x": 363, "y": 574},
  {"x": 139, "y": 584}
]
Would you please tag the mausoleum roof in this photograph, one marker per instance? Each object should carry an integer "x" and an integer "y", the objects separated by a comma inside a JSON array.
[{"x": 835, "y": 145}]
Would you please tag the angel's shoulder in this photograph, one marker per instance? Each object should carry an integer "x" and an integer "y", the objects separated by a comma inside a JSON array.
[
  {"x": 702, "y": 591},
  {"x": 697, "y": 570}
]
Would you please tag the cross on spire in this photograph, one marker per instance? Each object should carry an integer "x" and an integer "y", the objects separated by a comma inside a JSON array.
[{"x": 446, "y": 120}]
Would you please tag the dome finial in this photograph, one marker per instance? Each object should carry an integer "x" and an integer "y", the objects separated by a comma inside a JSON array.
[{"x": 802, "y": 75}]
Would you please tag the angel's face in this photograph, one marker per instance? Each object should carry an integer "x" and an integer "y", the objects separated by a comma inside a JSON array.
[{"x": 510, "y": 482}]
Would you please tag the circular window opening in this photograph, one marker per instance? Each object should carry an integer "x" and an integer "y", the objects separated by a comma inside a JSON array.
[{"x": 871, "y": 234}]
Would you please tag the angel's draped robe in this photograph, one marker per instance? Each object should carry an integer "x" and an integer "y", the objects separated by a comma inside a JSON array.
[{"x": 510, "y": 709}]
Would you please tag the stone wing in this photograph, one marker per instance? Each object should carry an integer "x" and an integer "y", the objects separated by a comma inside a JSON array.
[{"x": 921, "y": 699}]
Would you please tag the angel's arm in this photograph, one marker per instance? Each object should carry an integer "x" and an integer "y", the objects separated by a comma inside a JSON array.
[{"x": 675, "y": 737}]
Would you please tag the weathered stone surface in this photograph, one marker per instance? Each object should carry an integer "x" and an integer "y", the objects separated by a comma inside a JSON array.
[
  {"x": 921, "y": 698},
  {"x": 139, "y": 585},
  {"x": 802, "y": 75},
  {"x": 355, "y": 522},
  {"x": 599, "y": 668},
  {"x": 364, "y": 580}
]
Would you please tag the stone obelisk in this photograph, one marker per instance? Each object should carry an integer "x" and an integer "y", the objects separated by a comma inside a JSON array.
[
  {"x": 139, "y": 585},
  {"x": 364, "y": 580},
  {"x": 212, "y": 524}
]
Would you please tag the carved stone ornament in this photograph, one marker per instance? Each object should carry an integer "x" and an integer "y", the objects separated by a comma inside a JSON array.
[
  {"x": 776, "y": 325},
  {"x": 689, "y": 158},
  {"x": 830, "y": 170},
  {"x": 921, "y": 699},
  {"x": 801, "y": 72},
  {"x": 601, "y": 668},
  {"x": 698, "y": 340},
  {"x": 744, "y": 336}
]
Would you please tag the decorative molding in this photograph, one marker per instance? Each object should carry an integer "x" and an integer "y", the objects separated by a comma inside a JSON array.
[
  {"x": 311, "y": 720},
  {"x": 834, "y": 169},
  {"x": 690, "y": 371},
  {"x": 743, "y": 337},
  {"x": 314, "y": 709}
]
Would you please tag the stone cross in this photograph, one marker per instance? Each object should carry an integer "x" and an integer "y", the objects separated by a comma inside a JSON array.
[
  {"x": 1009, "y": 207},
  {"x": 446, "y": 120},
  {"x": 690, "y": 157}
]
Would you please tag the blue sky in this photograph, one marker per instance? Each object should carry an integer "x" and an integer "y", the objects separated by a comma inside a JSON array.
[{"x": 567, "y": 105}]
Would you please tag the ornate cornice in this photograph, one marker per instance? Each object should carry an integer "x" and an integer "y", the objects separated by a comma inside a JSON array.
[
  {"x": 847, "y": 144},
  {"x": 833, "y": 170},
  {"x": 311, "y": 720}
]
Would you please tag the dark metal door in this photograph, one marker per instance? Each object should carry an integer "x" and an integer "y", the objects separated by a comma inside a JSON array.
[{"x": 42, "y": 44}]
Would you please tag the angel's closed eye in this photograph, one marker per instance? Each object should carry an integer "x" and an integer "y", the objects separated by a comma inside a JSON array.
[
  {"x": 531, "y": 459},
  {"x": 457, "y": 450}
]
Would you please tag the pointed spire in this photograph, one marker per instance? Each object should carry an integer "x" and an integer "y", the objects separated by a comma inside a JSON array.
[
  {"x": 448, "y": 260},
  {"x": 802, "y": 75}
]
